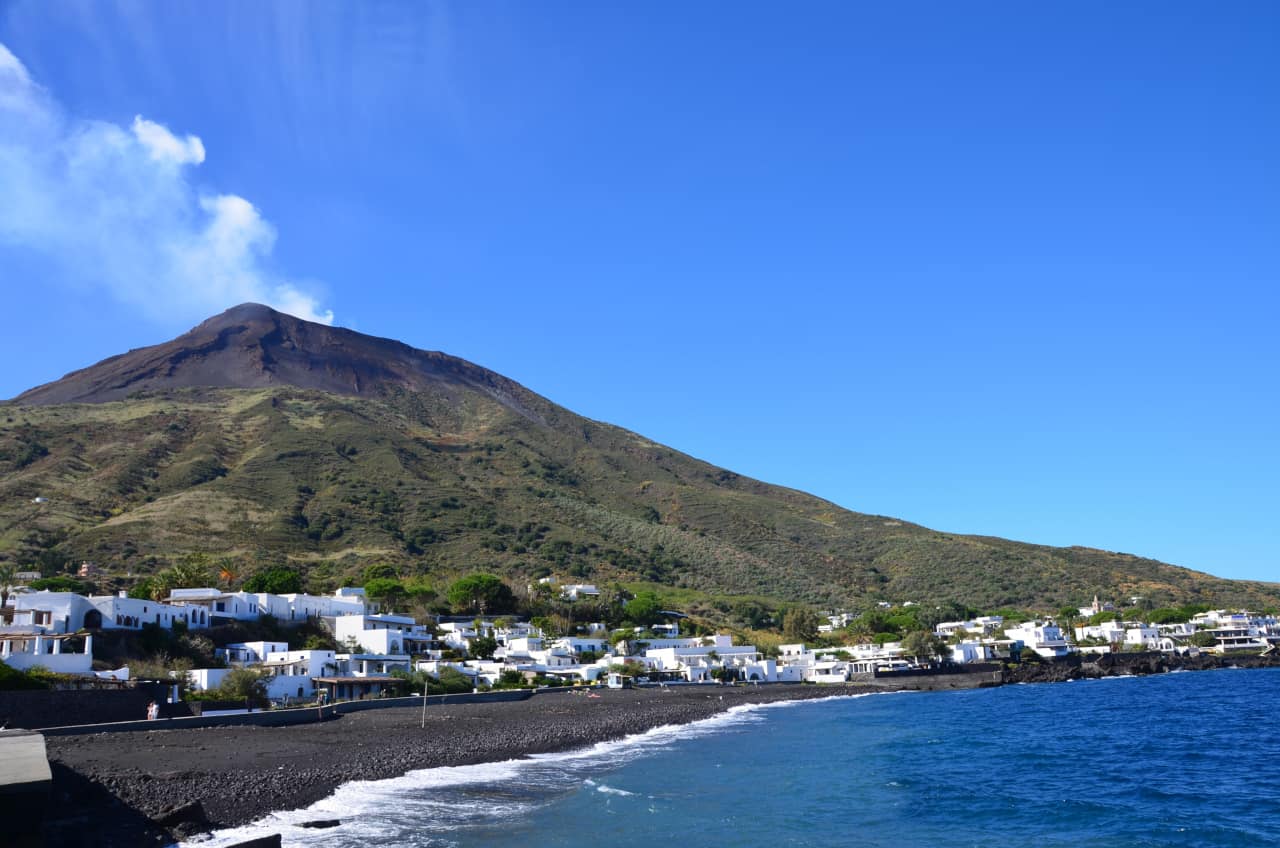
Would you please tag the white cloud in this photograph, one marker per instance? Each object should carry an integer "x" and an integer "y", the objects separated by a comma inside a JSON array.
[
  {"x": 11, "y": 66},
  {"x": 117, "y": 208},
  {"x": 164, "y": 146}
]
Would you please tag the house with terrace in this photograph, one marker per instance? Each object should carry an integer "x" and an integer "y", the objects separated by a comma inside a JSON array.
[
  {"x": 370, "y": 664},
  {"x": 217, "y": 607},
  {"x": 697, "y": 658},
  {"x": 249, "y": 653},
  {"x": 383, "y": 634},
  {"x": 1045, "y": 638},
  {"x": 291, "y": 675},
  {"x": 25, "y": 647}
]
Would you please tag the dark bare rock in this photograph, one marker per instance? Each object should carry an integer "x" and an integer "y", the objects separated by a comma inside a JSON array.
[
  {"x": 252, "y": 346},
  {"x": 272, "y": 841},
  {"x": 190, "y": 812}
]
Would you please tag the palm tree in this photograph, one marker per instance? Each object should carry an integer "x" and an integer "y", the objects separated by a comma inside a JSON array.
[{"x": 228, "y": 573}]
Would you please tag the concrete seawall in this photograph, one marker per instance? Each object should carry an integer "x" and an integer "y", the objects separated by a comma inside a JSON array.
[
  {"x": 285, "y": 718},
  {"x": 25, "y": 782}
]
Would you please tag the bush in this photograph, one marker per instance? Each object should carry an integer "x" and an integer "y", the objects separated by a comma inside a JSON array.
[
  {"x": 276, "y": 580},
  {"x": 241, "y": 684},
  {"x": 59, "y": 584},
  {"x": 11, "y": 679},
  {"x": 511, "y": 679}
]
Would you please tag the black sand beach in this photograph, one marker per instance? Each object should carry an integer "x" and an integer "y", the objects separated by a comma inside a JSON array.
[{"x": 110, "y": 787}]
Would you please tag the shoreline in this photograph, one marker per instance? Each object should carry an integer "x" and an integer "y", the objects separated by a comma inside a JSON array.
[
  {"x": 137, "y": 788},
  {"x": 118, "y": 789}
]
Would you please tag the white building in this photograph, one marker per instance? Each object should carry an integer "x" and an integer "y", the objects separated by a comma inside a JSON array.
[
  {"x": 249, "y": 653},
  {"x": 215, "y": 605},
  {"x": 25, "y": 648},
  {"x": 694, "y": 659},
  {"x": 1045, "y": 639},
  {"x": 983, "y": 625},
  {"x": 970, "y": 651},
  {"x": 67, "y": 612},
  {"x": 204, "y": 679},
  {"x": 370, "y": 664},
  {"x": 300, "y": 607},
  {"x": 291, "y": 674},
  {"x": 383, "y": 634},
  {"x": 577, "y": 591},
  {"x": 1145, "y": 635},
  {"x": 1109, "y": 632}
]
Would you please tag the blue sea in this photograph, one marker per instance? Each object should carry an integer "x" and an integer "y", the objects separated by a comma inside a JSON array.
[{"x": 1184, "y": 759}]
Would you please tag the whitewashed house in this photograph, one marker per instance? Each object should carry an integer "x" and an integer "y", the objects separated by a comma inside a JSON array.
[
  {"x": 695, "y": 659},
  {"x": 216, "y": 606},
  {"x": 983, "y": 625},
  {"x": 204, "y": 679},
  {"x": 1147, "y": 636},
  {"x": 459, "y": 635},
  {"x": 1045, "y": 639},
  {"x": 301, "y": 606},
  {"x": 25, "y": 648},
  {"x": 973, "y": 651},
  {"x": 292, "y": 674},
  {"x": 578, "y": 591},
  {"x": 383, "y": 634},
  {"x": 370, "y": 664},
  {"x": 249, "y": 653},
  {"x": 67, "y": 612},
  {"x": 1109, "y": 632}
]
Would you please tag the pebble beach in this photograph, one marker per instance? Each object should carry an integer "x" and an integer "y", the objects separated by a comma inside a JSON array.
[{"x": 113, "y": 789}]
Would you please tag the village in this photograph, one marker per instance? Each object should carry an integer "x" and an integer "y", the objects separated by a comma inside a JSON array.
[{"x": 382, "y": 653}]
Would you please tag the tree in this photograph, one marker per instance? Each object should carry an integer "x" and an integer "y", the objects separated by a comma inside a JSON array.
[
  {"x": 8, "y": 574},
  {"x": 373, "y": 572},
  {"x": 60, "y": 583},
  {"x": 482, "y": 647},
  {"x": 924, "y": 645},
  {"x": 481, "y": 593},
  {"x": 644, "y": 610},
  {"x": 229, "y": 573},
  {"x": 241, "y": 683},
  {"x": 861, "y": 630},
  {"x": 1202, "y": 639},
  {"x": 276, "y": 580},
  {"x": 384, "y": 590},
  {"x": 752, "y": 614},
  {"x": 945, "y": 611},
  {"x": 193, "y": 570},
  {"x": 800, "y": 625},
  {"x": 630, "y": 667}
]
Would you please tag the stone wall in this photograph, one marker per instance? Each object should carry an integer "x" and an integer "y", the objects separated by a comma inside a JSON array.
[{"x": 41, "y": 708}]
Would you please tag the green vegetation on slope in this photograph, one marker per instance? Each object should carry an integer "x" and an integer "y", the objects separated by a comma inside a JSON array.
[{"x": 440, "y": 486}]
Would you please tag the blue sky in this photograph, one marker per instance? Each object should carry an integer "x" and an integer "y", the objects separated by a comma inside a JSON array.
[{"x": 995, "y": 268}]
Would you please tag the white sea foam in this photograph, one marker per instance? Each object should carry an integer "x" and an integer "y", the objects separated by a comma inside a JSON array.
[
  {"x": 606, "y": 789},
  {"x": 370, "y": 809}
]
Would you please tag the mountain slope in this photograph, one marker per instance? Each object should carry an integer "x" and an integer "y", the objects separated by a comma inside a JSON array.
[{"x": 265, "y": 438}]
